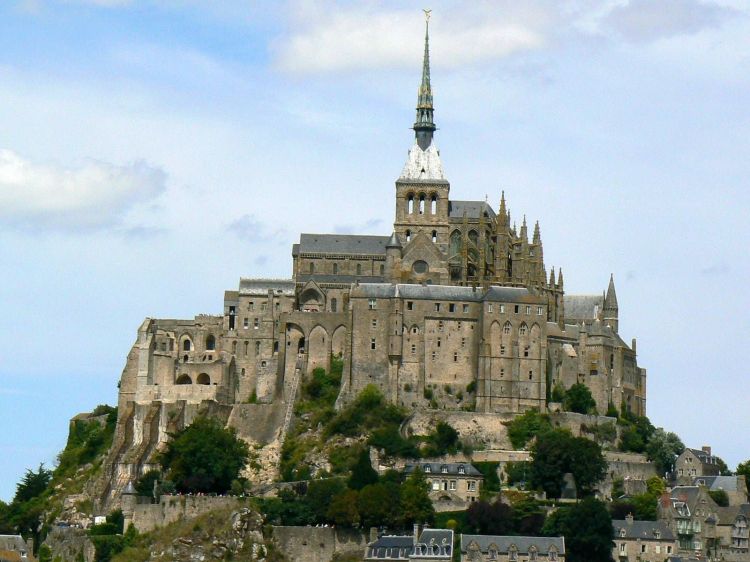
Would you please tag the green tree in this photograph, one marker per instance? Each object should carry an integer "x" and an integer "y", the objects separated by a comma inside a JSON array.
[
  {"x": 362, "y": 473},
  {"x": 523, "y": 428},
  {"x": 587, "y": 528},
  {"x": 743, "y": 469},
  {"x": 378, "y": 505},
  {"x": 319, "y": 495},
  {"x": 663, "y": 449},
  {"x": 578, "y": 399},
  {"x": 557, "y": 452},
  {"x": 486, "y": 518},
  {"x": 204, "y": 457},
  {"x": 720, "y": 497},
  {"x": 144, "y": 486},
  {"x": 32, "y": 485},
  {"x": 636, "y": 432},
  {"x": 442, "y": 441},
  {"x": 528, "y": 517},
  {"x": 723, "y": 468},
  {"x": 343, "y": 509},
  {"x": 416, "y": 506}
]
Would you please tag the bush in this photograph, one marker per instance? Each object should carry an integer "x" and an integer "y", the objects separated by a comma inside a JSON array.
[
  {"x": 720, "y": 497},
  {"x": 471, "y": 387},
  {"x": 428, "y": 393},
  {"x": 578, "y": 399},
  {"x": 523, "y": 428}
]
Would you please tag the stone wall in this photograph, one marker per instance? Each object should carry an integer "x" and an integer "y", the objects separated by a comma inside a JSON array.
[
  {"x": 318, "y": 544},
  {"x": 70, "y": 545},
  {"x": 148, "y": 516}
]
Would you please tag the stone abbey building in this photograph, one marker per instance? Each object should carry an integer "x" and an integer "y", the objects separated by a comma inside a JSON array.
[{"x": 454, "y": 309}]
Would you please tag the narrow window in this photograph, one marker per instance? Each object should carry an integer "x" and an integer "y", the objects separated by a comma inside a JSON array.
[
  {"x": 409, "y": 305},
  {"x": 334, "y": 305},
  {"x": 433, "y": 204},
  {"x": 455, "y": 357},
  {"x": 421, "y": 203},
  {"x": 335, "y": 268},
  {"x": 257, "y": 348},
  {"x": 312, "y": 267},
  {"x": 413, "y": 349},
  {"x": 539, "y": 310},
  {"x": 516, "y": 308},
  {"x": 522, "y": 330},
  {"x": 382, "y": 269},
  {"x": 506, "y": 328},
  {"x": 186, "y": 345},
  {"x": 359, "y": 269},
  {"x": 256, "y": 323},
  {"x": 263, "y": 306},
  {"x": 210, "y": 342},
  {"x": 437, "y": 307},
  {"x": 408, "y": 235},
  {"x": 251, "y": 305},
  {"x": 372, "y": 343},
  {"x": 410, "y": 204},
  {"x": 528, "y": 309},
  {"x": 434, "y": 236},
  {"x": 438, "y": 342},
  {"x": 247, "y": 344},
  {"x": 277, "y": 306},
  {"x": 531, "y": 375},
  {"x": 451, "y": 307},
  {"x": 502, "y": 309},
  {"x": 463, "y": 343},
  {"x": 433, "y": 355},
  {"x": 232, "y": 313},
  {"x": 372, "y": 304},
  {"x": 466, "y": 309},
  {"x": 489, "y": 307},
  {"x": 374, "y": 322},
  {"x": 245, "y": 323},
  {"x": 526, "y": 351},
  {"x": 502, "y": 350}
]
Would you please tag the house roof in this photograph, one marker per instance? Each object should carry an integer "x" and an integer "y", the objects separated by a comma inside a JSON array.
[
  {"x": 473, "y": 209},
  {"x": 442, "y": 292},
  {"x": 726, "y": 483},
  {"x": 342, "y": 244},
  {"x": 703, "y": 456},
  {"x": 260, "y": 287},
  {"x": 582, "y": 307},
  {"x": 642, "y": 529},
  {"x": 450, "y": 468},
  {"x": 432, "y": 543},
  {"x": 503, "y": 543}
]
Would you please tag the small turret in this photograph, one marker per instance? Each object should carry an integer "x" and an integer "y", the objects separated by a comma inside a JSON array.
[
  {"x": 392, "y": 257},
  {"x": 552, "y": 278},
  {"x": 611, "y": 310}
]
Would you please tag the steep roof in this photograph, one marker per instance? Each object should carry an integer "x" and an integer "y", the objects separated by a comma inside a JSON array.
[
  {"x": 642, "y": 529},
  {"x": 726, "y": 483},
  {"x": 523, "y": 544},
  {"x": 342, "y": 244},
  {"x": 582, "y": 307},
  {"x": 473, "y": 209},
  {"x": 450, "y": 468}
]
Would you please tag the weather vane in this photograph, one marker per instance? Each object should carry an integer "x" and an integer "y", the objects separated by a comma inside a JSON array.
[{"x": 427, "y": 14}]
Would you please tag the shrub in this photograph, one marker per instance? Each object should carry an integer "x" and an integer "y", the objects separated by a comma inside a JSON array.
[
  {"x": 578, "y": 399},
  {"x": 428, "y": 393},
  {"x": 471, "y": 387},
  {"x": 523, "y": 428}
]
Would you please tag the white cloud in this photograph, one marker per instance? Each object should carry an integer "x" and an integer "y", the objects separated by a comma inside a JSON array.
[
  {"x": 94, "y": 195},
  {"x": 648, "y": 20},
  {"x": 344, "y": 37}
]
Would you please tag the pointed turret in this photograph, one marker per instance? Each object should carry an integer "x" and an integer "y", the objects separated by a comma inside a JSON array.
[
  {"x": 560, "y": 280},
  {"x": 502, "y": 214},
  {"x": 394, "y": 241},
  {"x": 552, "y": 278},
  {"x": 424, "y": 126},
  {"x": 611, "y": 310},
  {"x": 537, "y": 235}
]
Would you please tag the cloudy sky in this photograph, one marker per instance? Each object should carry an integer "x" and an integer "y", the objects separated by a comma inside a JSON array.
[{"x": 154, "y": 151}]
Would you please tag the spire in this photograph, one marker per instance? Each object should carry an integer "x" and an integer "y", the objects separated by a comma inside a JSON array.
[
  {"x": 560, "y": 279},
  {"x": 394, "y": 241},
  {"x": 537, "y": 235},
  {"x": 502, "y": 214},
  {"x": 424, "y": 125},
  {"x": 552, "y": 277},
  {"x": 610, "y": 300}
]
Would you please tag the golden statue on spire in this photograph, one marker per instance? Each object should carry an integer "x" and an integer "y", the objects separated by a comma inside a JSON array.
[{"x": 427, "y": 15}]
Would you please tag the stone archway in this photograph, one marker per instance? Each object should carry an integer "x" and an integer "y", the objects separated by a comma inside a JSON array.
[
  {"x": 318, "y": 349},
  {"x": 338, "y": 342}
]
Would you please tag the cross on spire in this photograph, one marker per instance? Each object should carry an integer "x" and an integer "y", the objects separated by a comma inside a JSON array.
[{"x": 424, "y": 125}]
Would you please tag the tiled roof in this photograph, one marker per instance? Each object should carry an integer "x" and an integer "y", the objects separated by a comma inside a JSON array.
[
  {"x": 450, "y": 468},
  {"x": 342, "y": 244},
  {"x": 523, "y": 544}
]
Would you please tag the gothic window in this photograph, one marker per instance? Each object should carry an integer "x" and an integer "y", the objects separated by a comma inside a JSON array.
[
  {"x": 210, "y": 342},
  {"x": 474, "y": 237},
  {"x": 421, "y": 203},
  {"x": 410, "y": 203},
  {"x": 372, "y": 304},
  {"x": 455, "y": 243},
  {"x": 507, "y": 328},
  {"x": 522, "y": 330},
  {"x": 334, "y": 305},
  {"x": 312, "y": 267},
  {"x": 186, "y": 345},
  {"x": 408, "y": 235},
  {"x": 434, "y": 236},
  {"x": 433, "y": 204}
]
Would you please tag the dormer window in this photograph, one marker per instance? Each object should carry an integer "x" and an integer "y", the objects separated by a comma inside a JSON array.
[
  {"x": 427, "y": 468},
  {"x": 461, "y": 470},
  {"x": 444, "y": 469}
]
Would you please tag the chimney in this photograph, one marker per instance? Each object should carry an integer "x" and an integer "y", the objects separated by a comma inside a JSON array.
[
  {"x": 629, "y": 518},
  {"x": 416, "y": 533},
  {"x": 706, "y": 449},
  {"x": 373, "y": 534}
]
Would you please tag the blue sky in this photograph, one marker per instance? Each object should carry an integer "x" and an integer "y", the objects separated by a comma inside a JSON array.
[{"x": 154, "y": 151}]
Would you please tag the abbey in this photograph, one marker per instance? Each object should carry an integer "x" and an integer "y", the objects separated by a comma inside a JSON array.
[{"x": 453, "y": 310}]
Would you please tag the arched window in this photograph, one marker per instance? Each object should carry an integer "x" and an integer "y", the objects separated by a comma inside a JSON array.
[
  {"x": 507, "y": 328},
  {"x": 434, "y": 236},
  {"x": 234, "y": 348},
  {"x": 186, "y": 345},
  {"x": 247, "y": 347},
  {"x": 312, "y": 267},
  {"x": 210, "y": 342},
  {"x": 474, "y": 237},
  {"x": 203, "y": 378},
  {"x": 335, "y": 268},
  {"x": 421, "y": 203},
  {"x": 183, "y": 379},
  {"x": 408, "y": 235},
  {"x": 334, "y": 305},
  {"x": 275, "y": 347},
  {"x": 433, "y": 204},
  {"x": 455, "y": 246},
  {"x": 523, "y": 329},
  {"x": 382, "y": 269},
  {"x": 410, "y": 203},
  {"x": 359, "y": 269},
  {"x": 257, "y": 348}
]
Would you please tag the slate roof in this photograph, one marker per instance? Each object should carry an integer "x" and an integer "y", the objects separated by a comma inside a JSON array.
[
  {"x": 341, "y": 279},
  {"x": 442, "y": 292},
  {"x": 523, "y": 544},
  {"x": 727, "y": 515},
  {"x": 582, "y": 307},
  {"x": 726, "y": 483},
  {"x": 260, "y": 287},
  {"x": 354, "y": 244},
  {"x": 703, "y": 456},
  {"x": 453, "y": 468},
  {"x": 474, "y": 209},
  {"x": 432, "y": 543},
  {"x": 642, "y": 529}
]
